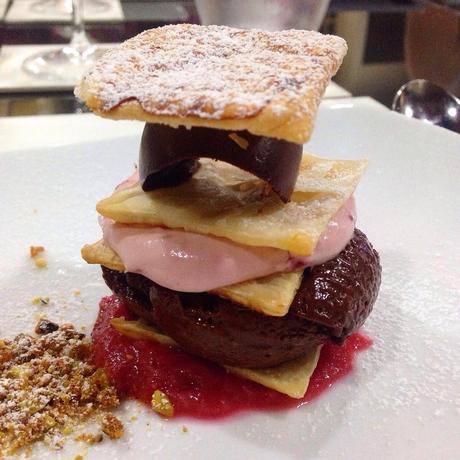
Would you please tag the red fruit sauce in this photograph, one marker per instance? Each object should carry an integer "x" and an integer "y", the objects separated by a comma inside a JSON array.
[{"x": 198, "y": 388}]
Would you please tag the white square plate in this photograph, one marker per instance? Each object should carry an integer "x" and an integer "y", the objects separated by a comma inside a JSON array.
[{"x": 403, "y": 398}]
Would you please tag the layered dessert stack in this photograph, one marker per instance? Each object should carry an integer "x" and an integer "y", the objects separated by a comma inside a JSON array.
[{"x": 229, "y": 241}]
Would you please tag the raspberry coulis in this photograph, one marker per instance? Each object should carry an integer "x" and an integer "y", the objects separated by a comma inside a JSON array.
[{"x": 198, "y": 388}]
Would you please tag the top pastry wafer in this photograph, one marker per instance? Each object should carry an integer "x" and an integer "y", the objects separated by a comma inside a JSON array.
[{"x": 269, "y": 83}]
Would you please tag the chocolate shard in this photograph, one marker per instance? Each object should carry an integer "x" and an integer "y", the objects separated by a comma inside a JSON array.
[{"x": 168, "y": 156}]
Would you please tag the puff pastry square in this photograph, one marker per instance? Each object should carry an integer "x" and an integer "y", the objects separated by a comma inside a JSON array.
[{"x": 269, "y": 83}]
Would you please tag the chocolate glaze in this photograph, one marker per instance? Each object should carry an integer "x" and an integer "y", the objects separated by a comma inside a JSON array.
[
  {"x": 333, "y": 301},
  {"x": 168, "y": 156}
]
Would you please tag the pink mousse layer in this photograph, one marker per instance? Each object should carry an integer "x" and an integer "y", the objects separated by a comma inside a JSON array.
[{"x": 190, "y": 262}]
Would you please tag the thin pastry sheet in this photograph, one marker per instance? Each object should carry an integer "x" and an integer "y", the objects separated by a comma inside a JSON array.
[
  {"x": 291, "y": 378},
  {"x": 269, "y": 83},
  {"x": 224, "y": 201}
]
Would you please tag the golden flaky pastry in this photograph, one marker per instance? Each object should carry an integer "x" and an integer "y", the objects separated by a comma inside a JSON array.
[
  {"x": 269, "y": 83},
  {"x": 290, "y": 378}
]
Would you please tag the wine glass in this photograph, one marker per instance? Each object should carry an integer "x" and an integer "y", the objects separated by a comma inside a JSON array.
[{"x": 70, "y": 62}]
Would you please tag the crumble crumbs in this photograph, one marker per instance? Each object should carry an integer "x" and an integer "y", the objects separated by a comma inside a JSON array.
[
  {"x": 89, "y": 438},
  {"x": 112, "y": 426},
  {"x": 40, "y": 300},
  {"x": 40, "y": 262},
  {"x": 184, "y": 429},
  {"x": 161, "y": 404},
  {"x": 35, "y": 250},
  {"x": 48, "y": 386}
]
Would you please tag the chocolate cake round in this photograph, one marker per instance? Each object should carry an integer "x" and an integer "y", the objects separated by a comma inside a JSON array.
[{"x": 333, "y": 301}]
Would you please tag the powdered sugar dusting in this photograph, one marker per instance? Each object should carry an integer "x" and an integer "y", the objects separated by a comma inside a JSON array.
[{"x": 214, "y": 72}]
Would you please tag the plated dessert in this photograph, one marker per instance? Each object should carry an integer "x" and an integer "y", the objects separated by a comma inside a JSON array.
[{"x": 228, "y": 243}]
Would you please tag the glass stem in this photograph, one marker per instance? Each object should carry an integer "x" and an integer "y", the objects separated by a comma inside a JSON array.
[{"x": 79, "y": 38}]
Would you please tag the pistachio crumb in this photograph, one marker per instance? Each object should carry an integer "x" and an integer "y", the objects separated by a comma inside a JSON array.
[
  {"x": 68, "y": 429},
  {"x": 40, "y": 300},
  {"x": 161, "y": 404},
  {"x": 40, "y": 262},
  {"x": 184, "y": 429}
]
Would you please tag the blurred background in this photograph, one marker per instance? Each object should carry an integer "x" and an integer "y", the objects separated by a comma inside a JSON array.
[{"x": 45, "y": 45}]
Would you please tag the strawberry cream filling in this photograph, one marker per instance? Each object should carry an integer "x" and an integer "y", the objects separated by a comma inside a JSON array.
[{"x": 191, "y": 262}]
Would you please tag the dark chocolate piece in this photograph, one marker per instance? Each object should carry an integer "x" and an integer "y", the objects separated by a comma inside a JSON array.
[
  {"x": 333, "y": 301},
  {"x": 45, "y": 326},
  {"x": 169, "y": 156}
]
